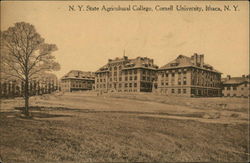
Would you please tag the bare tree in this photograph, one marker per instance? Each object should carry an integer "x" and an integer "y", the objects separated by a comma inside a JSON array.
[{"x": 25, "y": 56}]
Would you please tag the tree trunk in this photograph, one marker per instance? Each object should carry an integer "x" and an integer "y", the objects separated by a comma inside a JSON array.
[{"x": 26, "y": 97}]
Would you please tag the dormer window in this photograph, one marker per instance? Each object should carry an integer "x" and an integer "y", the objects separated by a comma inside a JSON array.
[{"x": 173, "y": 64}]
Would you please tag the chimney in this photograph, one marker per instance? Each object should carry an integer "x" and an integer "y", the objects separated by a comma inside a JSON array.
[
  {"x": 202, "y": 60},
  {"x": 228, "y": 77},
  {"x": 194, "y": 58},
  {"x": 109, "y": 60}
]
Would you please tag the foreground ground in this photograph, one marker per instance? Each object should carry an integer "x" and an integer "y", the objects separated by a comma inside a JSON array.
[{"x": 124, "y": 128}]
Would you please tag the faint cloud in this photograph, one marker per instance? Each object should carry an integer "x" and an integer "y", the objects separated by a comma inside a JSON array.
[
  {"x": 189, "y": 19},
  {"x": 181, "y": 44},
  {"x": 168, "y": 36}
]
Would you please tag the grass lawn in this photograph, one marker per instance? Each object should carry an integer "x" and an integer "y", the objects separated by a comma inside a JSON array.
[{"x": 124, "y": 128}]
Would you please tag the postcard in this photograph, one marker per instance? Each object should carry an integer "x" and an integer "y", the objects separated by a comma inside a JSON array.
[{"x": 124, "y": 81}]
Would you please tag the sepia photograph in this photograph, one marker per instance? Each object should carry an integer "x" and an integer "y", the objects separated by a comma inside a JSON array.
[{"x": 124, "y": 81}]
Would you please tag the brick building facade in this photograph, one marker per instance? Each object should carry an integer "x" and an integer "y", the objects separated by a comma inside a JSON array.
[
  {"x": 189, "y": 76},
  {"x": 77, "y": 80},
  {"x": 126, "y": 75},
  {"x": 236, "y": 86}
]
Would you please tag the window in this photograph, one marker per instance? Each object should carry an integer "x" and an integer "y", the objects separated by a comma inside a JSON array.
[
  {"x": 166, "y": 83},
  {"x": 179, "y": 91},
  {"x": 130, "y": 84},
  {"x": 228, "y": 88},
  {"x": 179, "y": 82},
  {"x": 173, "y": 74},
  {"x": 126, "y": 84},
  {"x": 234, "y": 88},
  {"x": 162, "y": 75},
  {"x": 162, "y": 83},
  {"x": 184, "y": 80},
  {"x": 120, "y": 85},
  {"x": 130, "y": 72},
  {"x": 166, "y": 75},
  {"x": 184, "y": 91},
  {"x": 135, "y": 78},
  {"x": 172, "y": 91},
  {"x": 135, "y": 71},
  {"x": 126, "y": 78},
  {"x": 130, "y": 78},
  {"x": 135, "y": 84},
  {"x": 100, "y": 80},
  {"x": 120, "y": 78}
]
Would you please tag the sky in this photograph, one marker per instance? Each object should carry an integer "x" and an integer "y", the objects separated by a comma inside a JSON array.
[{"x": 86, "y": 40}]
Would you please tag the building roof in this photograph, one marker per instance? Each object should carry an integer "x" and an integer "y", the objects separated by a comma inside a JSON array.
[
  {"x": 183, "y": 61},
  {"x": 138, "y": 62},
  {"x": 141, "y": 62},
  {"x": 234, "y": 80},
  {"x": 78, "y": 74}
]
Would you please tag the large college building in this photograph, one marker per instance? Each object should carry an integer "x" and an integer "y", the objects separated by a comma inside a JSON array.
[
  {"x": 77, "y": 80},
  {"x": 236, "y": 86},
  {"x": 126, "y": 75},
  {"x": 189, "y": 76}
]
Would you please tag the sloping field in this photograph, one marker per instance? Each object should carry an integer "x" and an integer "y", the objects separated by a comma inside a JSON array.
[{"x": 82, "y": 127}]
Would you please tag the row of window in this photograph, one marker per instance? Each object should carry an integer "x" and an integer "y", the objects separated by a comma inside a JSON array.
[
  {"x": 127, "y": 78},
  {"x": 234, "y": 87},
  {"x": 173, "y": 71},
  {"x": 81, "y": 85},
  {"x": 126, "y": 72},
  {"x": 128, "y": 90},
  {"x": 172, "y": 83},
  {"x": 233, "y": 95},
  {"x": 119, "y": 85},
  {"x": 126, "y": 85},
  {"x": 173, "y": 91},
  {"x": 172, "y": 74}
]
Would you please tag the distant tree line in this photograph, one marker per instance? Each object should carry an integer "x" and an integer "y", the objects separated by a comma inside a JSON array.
[{"x": 14, "y": 88}]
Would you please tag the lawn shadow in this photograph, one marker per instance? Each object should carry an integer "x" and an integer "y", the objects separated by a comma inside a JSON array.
[
  {"x": 44, "y": 112},
  {"x": 40, "y": 112}
]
